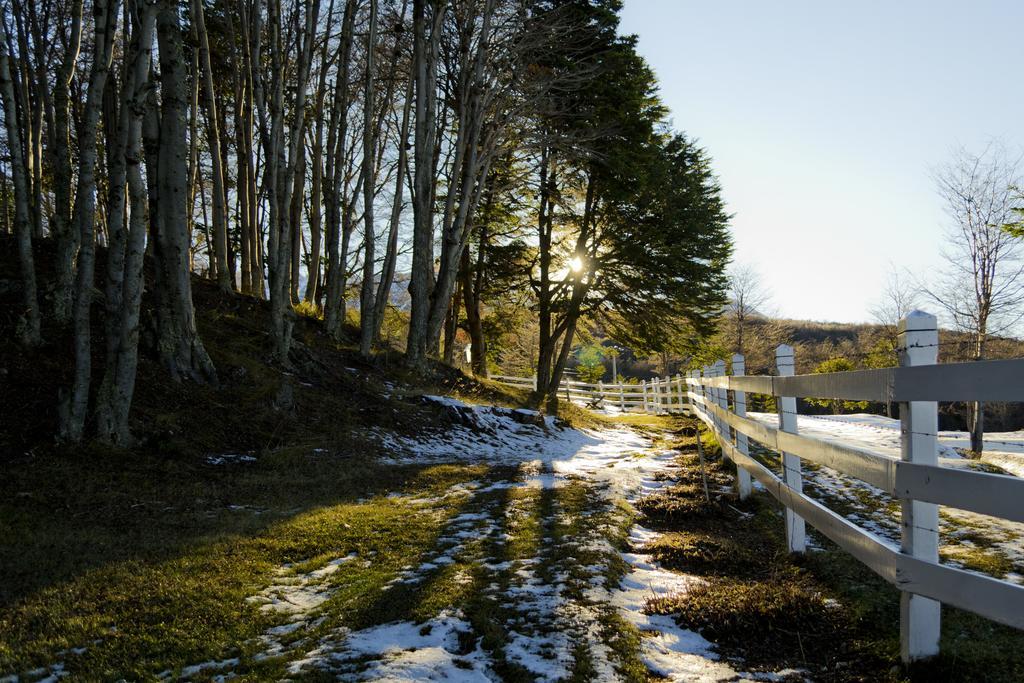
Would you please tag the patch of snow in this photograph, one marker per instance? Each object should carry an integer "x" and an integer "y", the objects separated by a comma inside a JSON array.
[
  {"x": 404, "y": 651},
  {"x": 298, "y": 594},
  {"x": 875, "y": 511},
  {"x": 229, "y": 459}
]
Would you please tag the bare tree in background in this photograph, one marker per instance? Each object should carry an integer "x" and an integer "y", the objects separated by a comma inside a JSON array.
[
  {"x": 981, "y": 289},
  {"x": 899, "y": 296},
  {"x": 747, "y": 296}
]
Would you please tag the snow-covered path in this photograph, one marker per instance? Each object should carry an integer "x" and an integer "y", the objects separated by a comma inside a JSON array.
[{"x": 551, "y": 564}]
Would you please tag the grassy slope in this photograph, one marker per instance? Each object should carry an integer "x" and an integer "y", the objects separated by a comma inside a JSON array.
[{"x": 144, "y": 555}]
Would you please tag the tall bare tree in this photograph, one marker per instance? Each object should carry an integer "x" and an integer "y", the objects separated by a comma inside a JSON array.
[
  {"x": 747, "y": 297},
  {"x": 981, "y": 288},
  {"x": 220, "y": 231},
  {"x": 427, "y": 16},
  {"x": 75, "y": 403},
  {"x": 899, "y": 296},
  {"x": 180, "y": 348},
  {"x": 334, "y": 300},
  {"x": 31, "y": 334},
  {"x": 126, "y": 250},
  {"x": 368, "y": 291}
]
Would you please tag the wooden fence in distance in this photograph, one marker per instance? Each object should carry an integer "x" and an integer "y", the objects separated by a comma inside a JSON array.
[
  {"x": 657, "y": 396},
  {"x": 916, "y": 479}
]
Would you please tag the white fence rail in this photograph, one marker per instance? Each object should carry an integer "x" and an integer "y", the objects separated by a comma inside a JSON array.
[
  {"x": 916, "y": 480},
  {"x": 659, "y": 395}
]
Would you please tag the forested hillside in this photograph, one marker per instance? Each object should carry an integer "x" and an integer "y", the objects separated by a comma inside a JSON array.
[{"x": 314, "y": 154}]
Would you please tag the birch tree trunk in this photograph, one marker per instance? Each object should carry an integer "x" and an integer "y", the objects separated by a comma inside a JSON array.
[
  {"x": 334, "y": 304},
  {"x": 180, "y": 348},
  {"x": 387, "y": 276},
  {"x": 220, "y": 230},
  {"x": 316, "y": 195},
  {"x": 114, "y": 399},
  {"x": 30, "y": 327},
  {"x": 288, "y": 157},
  {"x": 425, "y": 49},
  {"x": 369, "y": 186},
  {"x": 74, "y": 406}
]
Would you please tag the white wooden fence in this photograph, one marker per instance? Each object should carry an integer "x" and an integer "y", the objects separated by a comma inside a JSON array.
[
  {"x": 660, "y": 395},
  {"x": 916, "y": 479}
]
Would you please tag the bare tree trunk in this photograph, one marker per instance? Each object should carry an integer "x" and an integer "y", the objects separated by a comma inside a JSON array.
[
  {"x": 451, "y": 327},
  {"x": 387, "y": 276},
  {"x": 73, "y": 410},
  {"x": 298, "y": 189},
  {"x": 314, "y": 289},
  {"x": 30, "y": 332},
  {"x": 33, "y": 84},
  {"x": 425, "y": 54},
  {"x": 180, "y": 348},
  {"x": 559, "y": 369},
  {"x": 253, "y": 102},
  {"x": 63, "y": 230},
  {"x": 334, "y": 304},
  {"x": 369, "y": 186},
  {"x": 545, "y": 351},
  {"x": 5, "y": 203},
  {"x": 195, "y": 181},
  {"x": 285, "y": 168},
  {"x": 114, "y": 399},
  {"x": 220, "y": 231},
  {"x": 275, "y": 159},
  {"x": 471, "y": 285},
  {"x": 312, "y": 293},
  {"x": 976, "y": 413},
  {"x": 473, "y": 155}
]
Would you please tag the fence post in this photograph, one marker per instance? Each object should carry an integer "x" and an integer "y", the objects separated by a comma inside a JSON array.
[
  {"x": 643, "y": 388},
  {"x": 920, "y": 617},
  {"x": 662, "y": 396},
  {"x": 796, "y": 532},
  {"x": 535, "y": 381},
  {"x": 739, "y": 400},
  {"x": 690, "y": 375},
  {"x": 721, "y": 402},
  {"x": 679, "y": 392},
  {"x": 711, "y": 395},
  {"x": 622, "y": 398},
  {"x": 705, "y": 392}
]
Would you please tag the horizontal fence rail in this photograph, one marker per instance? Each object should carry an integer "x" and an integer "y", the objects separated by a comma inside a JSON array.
[
  {"x": 990, "y": 380},
  {"x": 657, "y": 396},
  {"x": 916, "y": 479}
]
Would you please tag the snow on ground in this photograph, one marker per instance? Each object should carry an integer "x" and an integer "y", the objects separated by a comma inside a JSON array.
[
  {"x": 402, "y": 651},
  {"x": 548, "y": 622},
  {"x": 966, "y": 537},
  {"x": 882, "y": 434},
  {"x": 542, "y": 546},
  {"x": 295, "y": 593}
]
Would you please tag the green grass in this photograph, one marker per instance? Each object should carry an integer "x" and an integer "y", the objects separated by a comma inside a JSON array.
[{"x": 147, "y": 562}]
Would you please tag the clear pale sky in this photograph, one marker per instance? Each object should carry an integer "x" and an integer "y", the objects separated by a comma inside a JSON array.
[{"x": 824, "y": 121}]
